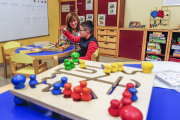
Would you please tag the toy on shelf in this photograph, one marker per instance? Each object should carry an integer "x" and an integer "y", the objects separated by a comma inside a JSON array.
[
  {"x": 136, "y": 24},
  {"x": 154, "y": 48},
  {"x": 33, "y": 50},
  {"x": 152, "y": 58},
  {"x": 157, "y": 38},
  {"x": 179, "y": 40}
]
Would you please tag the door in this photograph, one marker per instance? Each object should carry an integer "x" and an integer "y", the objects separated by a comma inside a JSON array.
[{"x": 130, "y": 44}]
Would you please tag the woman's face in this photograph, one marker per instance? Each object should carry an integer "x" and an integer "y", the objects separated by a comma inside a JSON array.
[{"x": 73, "y": 23}]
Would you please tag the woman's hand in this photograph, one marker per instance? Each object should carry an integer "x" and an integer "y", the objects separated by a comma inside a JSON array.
[{"x": 63, "y": 29}]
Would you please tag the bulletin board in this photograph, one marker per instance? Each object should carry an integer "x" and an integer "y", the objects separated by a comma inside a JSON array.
[
  {"x": 81, "y": 8},
  {"x": 63, "y": 14},
  {"x": 110, "y": 20}
]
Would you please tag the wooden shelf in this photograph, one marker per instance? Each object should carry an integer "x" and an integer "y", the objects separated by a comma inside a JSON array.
[
  {"x": 171, "y": 56},
  {"x": 155, "y": 54},
  {"x": 174, "y": 44},
  {"x": 154, "y": 42}
]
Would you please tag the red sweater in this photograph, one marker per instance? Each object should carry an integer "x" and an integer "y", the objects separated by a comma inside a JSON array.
[{"x": 92, "y": 46}]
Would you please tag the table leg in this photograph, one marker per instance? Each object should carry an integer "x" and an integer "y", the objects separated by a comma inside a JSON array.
[
  {"x": 40, "y": 61},
  {"x": 55, "y": 60}
]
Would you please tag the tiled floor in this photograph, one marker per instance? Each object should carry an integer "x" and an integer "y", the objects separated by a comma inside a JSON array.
[{"x": 50, "y": 64}]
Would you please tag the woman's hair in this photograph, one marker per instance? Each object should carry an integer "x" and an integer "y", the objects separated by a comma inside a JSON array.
[{"x": 69, "y": 18}]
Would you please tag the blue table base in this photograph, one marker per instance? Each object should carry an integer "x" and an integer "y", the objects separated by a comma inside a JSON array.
[{"x": 164, "y": 105}]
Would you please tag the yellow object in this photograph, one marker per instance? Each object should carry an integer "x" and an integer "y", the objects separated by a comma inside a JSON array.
[
  {"x": 147, "y": 67},
  {"x": 34, "y": 50},
  {"x": 27, "y": 70},
  {"x": 96, "y": 52},
  {"x": 5, "y": 55},
  {"x": 82, "y": 64},
  {"x": 107, "y": 69},
  {"x": 113, "y": 67},
  {"x": 12, "y": 44},
  {"x": 120, "y": 66}
]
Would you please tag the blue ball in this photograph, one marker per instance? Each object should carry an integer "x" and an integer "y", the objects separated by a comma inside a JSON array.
[
  {"x": 32, "y": 77},
  {"x": 133, "y": 90},
  {"x": 18, "y": 100},
  {"x": 64, "y": 79},
  {"x": 18, "y": 81},
  {"x": 56, "y": 85}
]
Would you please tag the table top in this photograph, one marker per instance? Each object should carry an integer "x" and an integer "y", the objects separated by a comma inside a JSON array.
[{"x": 164, "y": 105}]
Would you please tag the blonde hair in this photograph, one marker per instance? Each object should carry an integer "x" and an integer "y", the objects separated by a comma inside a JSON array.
[{"x": 69, "y": 18}]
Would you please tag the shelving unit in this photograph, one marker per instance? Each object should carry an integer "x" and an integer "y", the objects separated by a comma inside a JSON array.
[
  {"x": 174, "y": 35},
  {"x": 164, "y": 46}
]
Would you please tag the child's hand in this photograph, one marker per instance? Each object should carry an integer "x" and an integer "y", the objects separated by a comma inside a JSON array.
[{"x": 63, "y": 29}]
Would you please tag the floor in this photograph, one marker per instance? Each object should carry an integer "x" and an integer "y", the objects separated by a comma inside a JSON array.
[{"x": 50, "y": 64}]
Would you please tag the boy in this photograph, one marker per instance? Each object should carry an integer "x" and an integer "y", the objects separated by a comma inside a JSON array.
[{"x": 87, "y": 41}]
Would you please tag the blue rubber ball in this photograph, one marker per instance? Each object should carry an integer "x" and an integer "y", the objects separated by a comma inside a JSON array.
[{"x": 18, "y": 81}]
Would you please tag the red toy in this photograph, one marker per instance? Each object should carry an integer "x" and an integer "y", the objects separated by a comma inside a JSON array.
[
  {"x": 129, "y": 85},
  {"x": 86, "y": 96},
  {"x": 76, "y": 95},
  {"x": 82, "y": 85},
  {"x": 114, "y": 108},
  {"x": 126, "y": 94},
  {"x": 67, "y": 90},
  {"x": 130, "y": 113},
  {"x": 125, "y": 102}
]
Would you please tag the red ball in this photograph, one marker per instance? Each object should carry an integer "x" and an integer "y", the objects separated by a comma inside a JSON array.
[{"x": 130, "y": 113}]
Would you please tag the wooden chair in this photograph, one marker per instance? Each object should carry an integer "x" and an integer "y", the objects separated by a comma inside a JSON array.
[
  {"x": 95, "y": 56},
  {"x": 5, "y": 56},
  {"x": 26, "y": 70}
]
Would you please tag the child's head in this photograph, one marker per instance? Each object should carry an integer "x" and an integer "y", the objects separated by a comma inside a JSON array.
[{"x": 86, "y": 28}]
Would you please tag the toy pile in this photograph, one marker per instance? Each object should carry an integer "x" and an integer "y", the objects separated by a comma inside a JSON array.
[
  {"x": 152, "y": 58},
  {"x": 176, "y": 50},
  {"x": 136, "y": 24},
  {"x": 33, "y": 50},
  {"x": 154, "y": 48},
  {"x": 157, "y": 38},
  {"x": 178, "y": 40}
]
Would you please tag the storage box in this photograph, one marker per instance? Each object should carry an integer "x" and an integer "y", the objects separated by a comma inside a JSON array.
[{"x": 157, "y": 41}]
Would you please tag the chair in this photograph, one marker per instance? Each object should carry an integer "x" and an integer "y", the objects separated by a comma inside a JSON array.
[
  {"x": 95, "y": 56},
  {"x": 26, "y": 70},
  {"x": 5, "y": 56}
]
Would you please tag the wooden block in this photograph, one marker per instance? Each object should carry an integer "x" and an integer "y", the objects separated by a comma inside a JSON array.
[
  {"x": 41, "y": 43},
  {"x": 102, "y": 38},
  {"x": 101, "y": 32},
  {"x": 107, "y": 51},
  {"x": 107, "y": 45},
  {"x": 111, "y": 32},
  {"x": 99, "y": 84},
  {"x": 111, "y": 39}
]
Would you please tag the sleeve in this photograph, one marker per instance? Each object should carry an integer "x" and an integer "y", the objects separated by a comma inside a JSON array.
[
  {"x": 71, "y": 37},
  {"x": 92, "y": 47}
]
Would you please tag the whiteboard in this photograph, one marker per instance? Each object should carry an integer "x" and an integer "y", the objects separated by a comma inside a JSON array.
[
  {"x": 21, "y": 19},
  {"x": 171, "y": 2}
]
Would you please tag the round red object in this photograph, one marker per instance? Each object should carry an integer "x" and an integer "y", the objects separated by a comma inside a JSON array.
[{"x": 114, "y": 108}]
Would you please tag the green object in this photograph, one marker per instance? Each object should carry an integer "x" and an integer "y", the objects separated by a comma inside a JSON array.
[
  {"x": 72, "y": 64},
  {"x": 88, "y": 1},
  {"x": 89, "y": 16},
  {"x": 75, "y": 56},
  {"x": 80, "y": 19},
  {"x": 157, "y": 41},
  {"x": 153, "y": 57},
  {"x": 68, "y": 66},
  {"x": 101, "y": 18},
  {"x": 112, "y": 6},
  {"x": 111, "y": 11},
  {"x": 65, "y": 61}
]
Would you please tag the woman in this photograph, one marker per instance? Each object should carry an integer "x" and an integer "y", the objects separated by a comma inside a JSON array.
[{"x": 72, "y": 25}]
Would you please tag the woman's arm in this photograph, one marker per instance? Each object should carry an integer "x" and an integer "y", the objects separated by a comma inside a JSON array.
[
  {"x": 92, "y": 47},
  {"x": 71, "y": 37}
]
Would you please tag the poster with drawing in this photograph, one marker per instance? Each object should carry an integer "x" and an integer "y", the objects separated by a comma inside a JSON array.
[
  {"x": 112, "y": 8},
  {"x": 89, "y": 17},
  {"x": 101, "y": 19},
  {"x": 65, "y": 8},
  {"x": 89, "y": 4},
  {"x": 81, "y": 18}
]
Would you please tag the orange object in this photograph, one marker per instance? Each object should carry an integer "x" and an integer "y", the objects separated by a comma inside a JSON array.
[
  {"x": 76, "y": 95},
  {"x": 86, "y": 96},
  {"x": 82, "y": 85},
  {"x": 67, "y": 90}
]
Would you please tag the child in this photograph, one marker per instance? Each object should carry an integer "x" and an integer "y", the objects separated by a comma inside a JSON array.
[{"x": 87, "y": 41}]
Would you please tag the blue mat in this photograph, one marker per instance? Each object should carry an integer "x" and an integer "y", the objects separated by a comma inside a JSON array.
[
  {"x": 164, "y": 105},
  {"x": 43, "y": 53}
]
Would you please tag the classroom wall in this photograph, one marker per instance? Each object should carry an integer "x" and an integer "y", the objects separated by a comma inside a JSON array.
[
  {"x": 139, "y": 10},
  {"x": 53, "y": 15}
]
